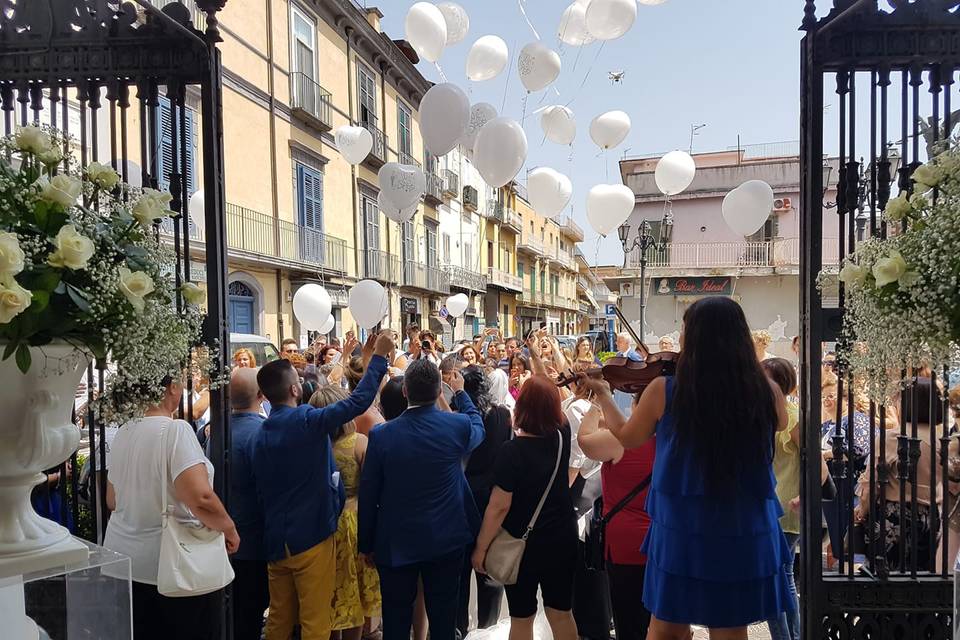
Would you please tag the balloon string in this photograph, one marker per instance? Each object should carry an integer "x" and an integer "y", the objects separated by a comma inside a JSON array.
[
  {"x": 506, "y": 85},
  {"x": 586, "y": 76},
  {"x": 523, "y": 109},
  {"x": 443, "y": 76},
  {"x": 577, "y": 59},
  {"x": 523, "y": 11}
]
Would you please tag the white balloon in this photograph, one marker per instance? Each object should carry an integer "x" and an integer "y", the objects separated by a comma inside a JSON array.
[
  {"x": 444, "y": 116},
  {"x": 549, "y": 190},
  {"x": 353, "y": 143},
  {"x": 500, "y": 151},
  {"x": 426, "y": 30},
  {"x": 312, "y": 306},
  {"x": 457, "y": 20},
  {"x": 538, "y": 66},
  {"x": 651, "y": 3},
  {"x": 328, "y": 325},
  {"x": 609, "y": 206},
  {"x": 610, "y": 129},
  {"x": 573, "y": 26},
  {"x": 402, "y": 185},
  {"x": 134, "y": 174},
  {"x": 457, "y": 305},
  {"x": 747, "y": 208},
  {"x": 558, "y": 124},
  {"x": 393, "y": 212},
  {"x": 675, "y": 172},
  {"x": 610, "y": 19},
  {"x": 480, "y": 114},
  {"x": 198, "y": 204},
  {"x": 368, "y": 303},
  {"x": 488, "y": 57}
]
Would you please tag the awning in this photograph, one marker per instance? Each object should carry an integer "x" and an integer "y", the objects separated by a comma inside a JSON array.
[{"x": 592, "y": 299}]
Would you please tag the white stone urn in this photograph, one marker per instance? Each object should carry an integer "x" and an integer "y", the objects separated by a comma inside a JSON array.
[{"x": 36, "y": 433}]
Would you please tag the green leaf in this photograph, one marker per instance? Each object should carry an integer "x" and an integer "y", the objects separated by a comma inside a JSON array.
[
  {"x": 23, "y": 358},
  {"x": 40, "y": 212},
  {"x": 79, "y": 298},
  {"x": 42, "y": 277},
  {"x": 11, "y": 347},
  {"x": 55, "y": 220},
  {"x": 41, "y": 299}
]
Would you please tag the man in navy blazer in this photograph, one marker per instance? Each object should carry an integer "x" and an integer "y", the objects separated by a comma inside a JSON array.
[{"x": 416, "y": 512}]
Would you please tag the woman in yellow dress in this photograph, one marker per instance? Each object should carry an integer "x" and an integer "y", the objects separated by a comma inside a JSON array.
[{"x": 357, "y": 594}]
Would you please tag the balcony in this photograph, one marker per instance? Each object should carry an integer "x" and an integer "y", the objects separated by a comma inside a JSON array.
[
  {"x": 504, "y": 280},
  {"x": 512, "y": 220},
  {"x": 494, "y": 210},
  {"x": 419, "y": 276},
  {"x": 381, "y": 266},
  {"x": 434, "y": 193},
  {"x": 564, "y": 260},
  {"x": 782, "y": 254},
  {"x": 530, "y": 243},
  {"x": 310, "y": 102},
  {"x": 258, "y": 236},
  {"x": 570, "y": 228},
  {"x": 451, "y": 183},
  {"x": 466, "y": 279},
  {"x": 405, "y": 158},
  {"x": 530, "y": 297},
  {"x": 471, "y": 199},
  {"x": 378, "y": 154}
]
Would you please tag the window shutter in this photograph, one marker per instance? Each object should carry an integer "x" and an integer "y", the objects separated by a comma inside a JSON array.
[
  {"x": 191, "y": 163},
  {"x": 310, "y": 192},
  {"x": 164, "y": 144}
]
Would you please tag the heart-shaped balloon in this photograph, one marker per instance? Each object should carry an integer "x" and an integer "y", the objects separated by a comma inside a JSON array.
[
  {"x": 538, "y": 66},
  {"x": 558, "y": 124},
  {"x": 609, "y": 206},
  {"x": 393, "y": 212},
  {"x": 549, "y": 191},
  {"x": 402, "y": 184},
  {"x": 353, "y": 143},
  {"x": 457, "y": 304},
  {"x": 610, "y": 129},
  {"x": 500, "y": 151},
  {"x": 747, "y": 208},
  {"x": 480, "y": 114}
]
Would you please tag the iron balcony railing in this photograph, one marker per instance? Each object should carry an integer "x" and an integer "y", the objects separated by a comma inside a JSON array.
[
  {"x": 405, "y": 158},
  {"x": 434, "y": 188},
  {"x": 504, "y": 280},
  {"x": 571, "y": 228},
  {"x": 382, "y": 266},
  {"x": 495, "y": 210},
  {"x": 705, "y": 255},
  {"x": 378, "y": 154},
  {"x": 310, "y": 100},
  {"x": 465, "y": 278},
  {"x": 530, "y": 297},
  {"x": 528, "y": 241},
  {"x": 471, "y": 199},
  {"x": 512, "y": 220},
  {"x": 421, "y": 276},
  {"x": 451, "y": 183},
  {"x": 263, "y": 235}
]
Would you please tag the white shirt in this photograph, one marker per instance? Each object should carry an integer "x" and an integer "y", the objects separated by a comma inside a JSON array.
[
  {"x": 574, "y": 409},
  {"x": 135, "y": 468}
]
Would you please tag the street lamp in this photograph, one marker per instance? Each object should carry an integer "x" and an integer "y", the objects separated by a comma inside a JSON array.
[
  {"x": 886, "y": 166},
  {"x": 644, "y": 242}
]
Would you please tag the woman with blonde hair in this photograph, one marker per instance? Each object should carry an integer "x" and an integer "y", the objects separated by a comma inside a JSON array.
[
  {"x": 584, "y": 352},
  {"x": 357, "y": 594},
  {"x": 552, "y": 356},
  {"x": 243, "y": 358}
]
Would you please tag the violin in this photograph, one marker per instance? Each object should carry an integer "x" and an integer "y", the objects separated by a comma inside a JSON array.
[{"x": 624, "y": 374}]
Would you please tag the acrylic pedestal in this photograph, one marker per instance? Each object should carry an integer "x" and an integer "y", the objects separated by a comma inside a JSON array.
[{"x": 89, "y": 599}]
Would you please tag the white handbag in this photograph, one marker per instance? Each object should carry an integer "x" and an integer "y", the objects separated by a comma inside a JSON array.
[{"x": 193, "y": 560}]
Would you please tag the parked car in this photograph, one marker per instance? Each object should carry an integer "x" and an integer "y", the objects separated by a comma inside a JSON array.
[{"x": 263, "y": 350}]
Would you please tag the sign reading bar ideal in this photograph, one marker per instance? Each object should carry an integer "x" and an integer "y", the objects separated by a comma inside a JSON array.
[{"x": 721, "y": 286}]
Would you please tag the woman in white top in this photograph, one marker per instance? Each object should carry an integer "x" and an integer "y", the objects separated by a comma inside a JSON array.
[{"x": 134, "y": 495}]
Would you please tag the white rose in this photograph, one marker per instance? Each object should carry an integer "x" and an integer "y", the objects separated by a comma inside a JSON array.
[
  {"x": 192, "y": 293},
  {"x": 152, "y": 206},
  {"x": 853, "y": 274},
  {"x": 889, "y": 269},
  {"x": 32, "y": 139},
  {"x": 102, "y": 175},
  {"x": 135, "y": 286},
  {"x": 14, "y": 300},
  {"x": 62, "y": 189},
  {"x": 51, "y": 156},
  {"x": 11, "y": 255},
  {"x": 73, "y": 250},
  {"x": 898, "y": 208},
  {"x": 928, "y": 175}
]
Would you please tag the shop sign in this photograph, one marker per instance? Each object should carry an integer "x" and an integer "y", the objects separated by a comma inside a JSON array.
[
  {"x": 410, "y": 305},
  {"x": 695, "y": 286}
]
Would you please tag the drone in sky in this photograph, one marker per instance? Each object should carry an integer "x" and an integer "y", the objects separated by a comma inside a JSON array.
[{"x": 616, "y": 77}]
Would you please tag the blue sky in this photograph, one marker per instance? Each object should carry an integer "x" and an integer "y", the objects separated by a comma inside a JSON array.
[{"x": 731, "y": 64}]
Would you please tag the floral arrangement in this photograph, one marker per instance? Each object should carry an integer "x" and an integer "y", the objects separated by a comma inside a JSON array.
[
  {"x": 80, "y": 263},
  {"x": 903, "y": 292}
]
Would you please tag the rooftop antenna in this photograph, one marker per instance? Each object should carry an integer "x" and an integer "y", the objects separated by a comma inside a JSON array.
[{"x": 694, "y": 131}]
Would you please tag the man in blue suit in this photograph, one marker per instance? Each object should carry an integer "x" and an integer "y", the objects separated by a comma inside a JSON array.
[{"x": 416, "y": 513}]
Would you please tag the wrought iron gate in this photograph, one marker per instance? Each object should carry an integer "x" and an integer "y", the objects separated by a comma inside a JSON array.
[
  {"x": 128, "y": 81},
  {"x": 888, "y": 68}
]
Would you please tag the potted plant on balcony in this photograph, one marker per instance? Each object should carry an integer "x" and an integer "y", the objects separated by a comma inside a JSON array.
[
  {"x": 82, "y": 277},
  {"x": 903, "y": 291}
]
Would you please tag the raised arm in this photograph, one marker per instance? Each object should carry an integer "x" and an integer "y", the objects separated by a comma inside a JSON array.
[
  {"x": 642, "y": 423},
  {"x": 466, "y": 407},
  {"x": 596, "y": 443}
]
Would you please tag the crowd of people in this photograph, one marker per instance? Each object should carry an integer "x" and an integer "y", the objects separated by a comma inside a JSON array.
[{"x": 369, "y": 482}]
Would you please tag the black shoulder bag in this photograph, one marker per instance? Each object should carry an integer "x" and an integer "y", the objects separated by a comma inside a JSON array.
[{"x": 595, "y": 541}]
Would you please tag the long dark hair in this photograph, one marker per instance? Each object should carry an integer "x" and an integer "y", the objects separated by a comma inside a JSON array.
[
  {"x": 723, "y": 403},
  {"x": 475, "y": 384}
]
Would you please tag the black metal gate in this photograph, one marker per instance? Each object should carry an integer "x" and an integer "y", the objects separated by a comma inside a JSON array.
[
  {"x": 880, "y": 74},
  {"x": 128, "y": 81}
]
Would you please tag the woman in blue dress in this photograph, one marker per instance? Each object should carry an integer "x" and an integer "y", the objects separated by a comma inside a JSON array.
[{"x": 716, "y": 555}]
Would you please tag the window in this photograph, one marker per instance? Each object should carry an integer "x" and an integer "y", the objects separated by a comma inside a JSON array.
[
  {"x": 310, "y": 205},
  {"x": 431, "y": 245},
  {"x": 304, "y": 43},
  {"x": 468, "y": 259},
  {"x": 371, "y": 222},
  {"x": 409, "y": 248},
  {"x": 769, "y": 231},
  {"x": 520, "y": 270},
  {"x": 404, "y": 130},
  {"x": 367, "y": 93},
  {"x": 167, "y": 116},
  {"x": 446, "y": 248}
]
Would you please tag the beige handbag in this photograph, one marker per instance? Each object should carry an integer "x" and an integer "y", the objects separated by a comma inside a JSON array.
[{"x": 505, "y": 553}]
